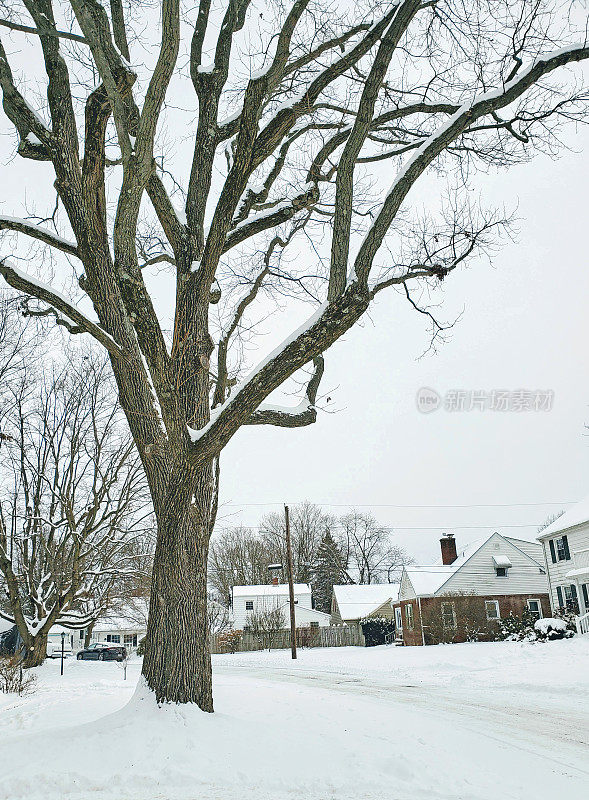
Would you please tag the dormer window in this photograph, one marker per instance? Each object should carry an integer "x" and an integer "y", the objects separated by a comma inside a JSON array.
[{"x": 502, "y": 564}]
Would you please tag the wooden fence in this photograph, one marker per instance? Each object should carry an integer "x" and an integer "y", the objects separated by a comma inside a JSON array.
[{"x": 333, "y": 636}]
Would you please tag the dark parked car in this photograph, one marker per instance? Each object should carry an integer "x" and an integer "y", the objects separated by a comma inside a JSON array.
[{"x": 103, "y": 651}]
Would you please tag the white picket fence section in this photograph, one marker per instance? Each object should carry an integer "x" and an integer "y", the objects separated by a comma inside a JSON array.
[{"x": 582, "y": 623}]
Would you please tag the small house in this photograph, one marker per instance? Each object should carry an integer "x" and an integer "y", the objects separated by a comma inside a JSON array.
[
  {"x": 257, "y": 598},
  {"x": 469, "y": 592},
  {"x": 355, "y": 601}
]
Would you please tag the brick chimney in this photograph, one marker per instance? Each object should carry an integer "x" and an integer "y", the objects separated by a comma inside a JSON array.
[
  {"x": 274, "y": 580},
  {"x": 448, "y": 547}
]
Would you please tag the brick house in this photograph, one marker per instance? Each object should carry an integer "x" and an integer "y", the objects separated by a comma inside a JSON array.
[{"x": 466, "y": 594}]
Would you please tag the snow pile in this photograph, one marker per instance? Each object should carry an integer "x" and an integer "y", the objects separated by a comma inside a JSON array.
[{"x": 552, "y": 628}]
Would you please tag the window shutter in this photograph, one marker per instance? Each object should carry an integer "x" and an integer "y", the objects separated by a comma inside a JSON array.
[
  {"x": 567, "y": 552},
  {"x": 574, "y": 592},
  {"x": 585, "y": 596},
  {"x": 559, "y": 595},
  {"x": 552, "y": 551}
]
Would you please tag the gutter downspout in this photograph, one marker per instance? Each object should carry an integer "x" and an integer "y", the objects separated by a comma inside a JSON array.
[
  {"x": 421, "y": 621},
  {"x": 548, "y": 576}
]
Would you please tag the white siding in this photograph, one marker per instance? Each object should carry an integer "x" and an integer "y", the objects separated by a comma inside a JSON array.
[
  {"x": 406, "y": 590},
  {"x": 578, "y": 540},
  {"x": 264, "y": 603},
  {"x": 478, "y": 574}
]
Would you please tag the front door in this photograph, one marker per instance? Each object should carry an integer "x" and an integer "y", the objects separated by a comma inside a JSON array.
[{"x": 398, "y": 623}]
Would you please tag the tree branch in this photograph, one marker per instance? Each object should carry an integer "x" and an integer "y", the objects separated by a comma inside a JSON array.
[
  {"x": 41, "y": 234},
  {"x": 25, "y": 283}
]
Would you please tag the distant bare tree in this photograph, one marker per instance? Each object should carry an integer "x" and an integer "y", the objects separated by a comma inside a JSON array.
[
  {"x": 266, "y": 624},
  {"x": 369, "y": 554},
  {"x": 549, "y": 520},
  {"x": 238, "y": 557},
  {"x": 72, "y": 503},
  {"x": 308, "y": 523},
  {"x": 18, "y": 352},
  {"x": 299, "y": 107}
]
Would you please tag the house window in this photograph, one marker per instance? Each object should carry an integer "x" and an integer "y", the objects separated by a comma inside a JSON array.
[
  {"x": 114, "y": 638},
  {"x": 492, "y": 609},
  {"x": 409, "y": 616},
  {"x": 130, "y": 640},
  {"x": 567, "y": 597},
  {"x": 247, "y": 628},
  {"x": 535, "y": 608},
  {"x": 448, "y": 616},
  {"x": 501, "y": 572},
  {"x": 314, "y": 624},
  {"x": 249, "y": 605},
  {"x": 81, "y": 634},
  {"x": 559, "y": 549}
]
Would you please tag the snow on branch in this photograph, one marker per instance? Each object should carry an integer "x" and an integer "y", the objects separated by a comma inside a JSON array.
[
  {"x": 303, "y": 414},
  {"x": 37, "y": 232},
  {"x": 59, "y": 304}
]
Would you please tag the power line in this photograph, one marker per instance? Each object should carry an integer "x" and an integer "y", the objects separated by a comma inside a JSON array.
[{"x": 394, "y": 505}]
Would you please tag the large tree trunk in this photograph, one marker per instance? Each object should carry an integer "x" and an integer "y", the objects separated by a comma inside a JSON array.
[
  {"x": 177, "y": 662},
  {"x": 35, "y": 651}
]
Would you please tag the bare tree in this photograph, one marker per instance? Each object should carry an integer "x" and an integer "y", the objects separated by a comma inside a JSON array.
[
  {"x": 238, "y": 557},
  {"x": 17, "y": 353},
  {"x": 308, "y": 523},
  {"x": 369, "y": 554},
  {"x": 266, "y": 624},
  {"x": 72, "y": 502},
  {"x": 274, "y": 205}
]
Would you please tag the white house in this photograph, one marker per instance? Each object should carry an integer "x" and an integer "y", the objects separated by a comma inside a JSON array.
[
  {"x": 246, "y": 600},
  {"x": 566, "y": 552},
  {"x": 354, "y": 601},
  {"x": 126, "y": 626}
]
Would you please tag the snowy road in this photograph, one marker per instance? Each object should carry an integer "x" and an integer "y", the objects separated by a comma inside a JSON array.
[
  {"x": 561, "y": 735},
  {"x": 466, "y": 722}
]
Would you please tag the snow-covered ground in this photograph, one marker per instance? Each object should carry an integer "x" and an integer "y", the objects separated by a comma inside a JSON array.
[{"x": 460, "y": 722}]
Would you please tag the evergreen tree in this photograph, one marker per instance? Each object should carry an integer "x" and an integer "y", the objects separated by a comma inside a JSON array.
[{"x": 328, "y": 570}]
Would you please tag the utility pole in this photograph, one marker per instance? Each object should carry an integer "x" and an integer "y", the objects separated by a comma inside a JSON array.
[{"x": 293, "y": 624}]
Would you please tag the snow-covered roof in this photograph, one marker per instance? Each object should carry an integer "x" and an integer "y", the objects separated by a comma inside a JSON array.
[
  {"x": 131, "y": 617},
  {"x": 428, "y": 579},
  {"x": 576, "y": 515},
  {"x": 269, "y": 589},
  {"x": 357, "y": 600},
  {"x": 5, "y": 625},
  {"x": 501, "y": 560}
]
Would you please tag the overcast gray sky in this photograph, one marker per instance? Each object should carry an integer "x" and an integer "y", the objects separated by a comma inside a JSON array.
[{"x": 523, "y": 326}]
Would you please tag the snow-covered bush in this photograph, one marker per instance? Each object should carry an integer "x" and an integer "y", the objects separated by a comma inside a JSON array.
[
  {"x": 551, "y": 628},
  {"x": 518, "y": 628},
  {"x": 527, "y": 628},
  {"x": 13, "y": 679}
]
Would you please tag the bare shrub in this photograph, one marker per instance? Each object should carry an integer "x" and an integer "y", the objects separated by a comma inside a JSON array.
[{"x": 15, "y": 680}]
